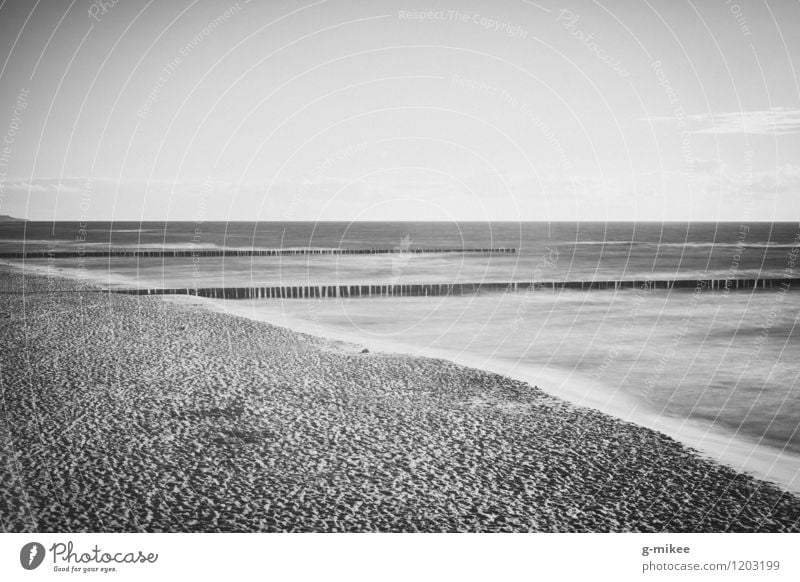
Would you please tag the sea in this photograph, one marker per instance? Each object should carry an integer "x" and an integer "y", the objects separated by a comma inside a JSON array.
[{"x": 716, "y": 369}]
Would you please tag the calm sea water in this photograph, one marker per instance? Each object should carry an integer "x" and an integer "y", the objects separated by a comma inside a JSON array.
[
  {"x": 728, "y": 361},
  {"x": 545, "y": 250}
]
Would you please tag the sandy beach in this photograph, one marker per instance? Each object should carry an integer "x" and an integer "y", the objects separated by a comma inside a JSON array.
[
  {"x": 747, "y": 455},
  {"x": 125, "y": 413}
]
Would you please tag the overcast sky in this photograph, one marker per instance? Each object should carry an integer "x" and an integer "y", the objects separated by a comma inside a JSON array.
[{"x": 345, "y": 110}]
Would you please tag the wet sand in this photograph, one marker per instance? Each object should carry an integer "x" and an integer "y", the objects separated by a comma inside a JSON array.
[
  {"x": 125, "y": 413},
  {"x": 760, "y": 460}
]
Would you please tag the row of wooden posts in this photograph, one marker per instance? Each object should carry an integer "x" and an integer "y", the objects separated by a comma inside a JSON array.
[
  {"x": 237, "y": 252},
  {"x": 436, "y": 289}
]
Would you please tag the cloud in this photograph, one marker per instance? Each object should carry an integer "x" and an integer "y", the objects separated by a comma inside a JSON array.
[
  {"x": 785, "y": 179},
  {"x": 778, "y": 121},
  {"x": 46, "y": 185},
  {"x": 710, "y": 190},
  {"x": 774, "y": 121},
  {"x": 706, "y": 166}
]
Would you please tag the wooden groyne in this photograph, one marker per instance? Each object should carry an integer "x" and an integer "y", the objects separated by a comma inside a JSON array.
[
  {"x": 167, "y": 253},
  {"x": 440, "y": 289}
]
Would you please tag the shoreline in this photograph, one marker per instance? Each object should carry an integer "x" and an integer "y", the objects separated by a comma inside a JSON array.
[
  {"x": 137, "y": 414},
  {"x": 763, "y": 462}
]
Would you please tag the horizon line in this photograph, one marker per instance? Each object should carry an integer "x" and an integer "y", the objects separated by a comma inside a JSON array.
[{"x": 11, "y": 219}]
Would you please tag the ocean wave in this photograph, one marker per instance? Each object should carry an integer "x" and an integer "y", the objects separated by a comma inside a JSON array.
[
  {"x": 752, "y": 245},
  {"x": 127, "y": 230}
]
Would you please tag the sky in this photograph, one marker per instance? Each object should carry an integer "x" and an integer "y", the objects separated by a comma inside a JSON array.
[{"x": 658, "y": 110}]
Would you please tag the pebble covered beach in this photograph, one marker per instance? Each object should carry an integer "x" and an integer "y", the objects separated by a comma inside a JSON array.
[{"x": 129, "y": 413}]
